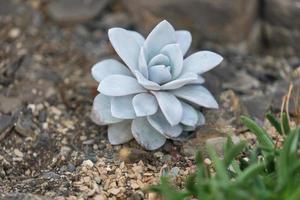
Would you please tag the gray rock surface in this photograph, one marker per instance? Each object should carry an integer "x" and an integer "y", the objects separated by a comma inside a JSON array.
[
  {"x": 282, "y": 24},
  {"x": 75, "y": 10},
  {"x": 216, "y": 20}
]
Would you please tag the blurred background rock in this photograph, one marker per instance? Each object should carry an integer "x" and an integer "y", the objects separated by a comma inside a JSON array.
[{"x": 253, "y": 25}]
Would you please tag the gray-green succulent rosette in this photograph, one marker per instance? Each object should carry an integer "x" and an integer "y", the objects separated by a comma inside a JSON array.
[{"x": 157, "y": 93}]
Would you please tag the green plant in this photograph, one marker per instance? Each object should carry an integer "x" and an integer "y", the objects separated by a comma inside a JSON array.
[{"x": 264, "y": 172}]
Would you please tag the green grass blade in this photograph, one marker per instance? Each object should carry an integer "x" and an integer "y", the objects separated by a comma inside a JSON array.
[
  {"x": 285, "y": 124},
  {"x": 219, "y": 166},
  {"x": 249, "y": 173},
  {"x": 232, "y": 152},
  {"x": 262, "y": 136},
  {"x": 272, "y": 119}
]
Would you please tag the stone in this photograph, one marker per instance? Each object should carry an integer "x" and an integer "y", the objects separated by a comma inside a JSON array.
[
  {"x": 204, "y": 133},
  {"x": 72, "y": 11},
  {"x": 231, "y": 107},
  {"x": 50, "y": 175},
  {"x": 257, "y": 105},
  {"x": 283, "y": 13},
  {"x": 217, "y": 143},
  {"x": 119, "y": 19},
  {"x": 132, "y": 155},
  {"x": 18, "y": 153},
  {"x": 88, "y": 163},
  {"x": 214, "y": 20},
  {"x": 71, "y": 167},
  {"x": 243, "y": 82},
  {"x": 24, "y": 125},
  {"x": 282, "y": 25},
  {"x": 280, "y": 90},
  {"x": 9, "y": 104},
  {"x": 14, "y": 33},
  {"x": 22, "y": 196},
  {"x": 6, "y": 124}
]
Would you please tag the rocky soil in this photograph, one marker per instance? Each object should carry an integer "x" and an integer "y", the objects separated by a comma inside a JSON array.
[{"x": 49, "y": 147}]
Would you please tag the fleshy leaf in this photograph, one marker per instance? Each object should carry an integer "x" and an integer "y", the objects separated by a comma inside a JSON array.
[
  {"x": 126, "y": 45},
  {"x": 143, "y": 66},
  {"x": 159, "y": 74},
  {"x": 200, "y": 122},
  {"x": 119, "y": 85},
  {"x": 176, "y": 58},
  {"x": 189, "y": 115},
  {"x": 119, "y": 133},
  {"x": 150, "y": 85},
  {"x": 184, "y": 39},
  {"x": 159, "y": 59},
  {"x": 108, "y": 67},
  {"x": 159, "y": 122},
  {"x": 199, "y": 80},
  {"x": 196, "y": 94},
  {"x": 170, "y": 107},
  {"x": 201, "y": 119},
  {"x": 138, "y": 37},
  {"x": 101, "y": 113},
  {"x": 180, "y": 81},
  {"x": 146, "y": 135},
  {"x": 144, "y": 104},
  {"x": 201, "y": 62},
  {"x": 121, "y": 107},
  {"x": 160, "y": 36}
]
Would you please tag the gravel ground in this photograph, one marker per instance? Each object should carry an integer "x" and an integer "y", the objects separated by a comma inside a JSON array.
[{"x": 50, "y": 147}]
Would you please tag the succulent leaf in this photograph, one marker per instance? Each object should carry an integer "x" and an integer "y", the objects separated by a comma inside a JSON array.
[
  {"x": 147, "y": 93},
  {"x": 184, "y": 39},
  {"x": 196, "y": 94},
  {"x": 101, "y": 113},
  {"x": 146, "y": 135},
  {"x": 120, "y": 133},
  {"x": 108, "y": 67},
  {"x": 176, "y": 58},
  {"x": 144, "y": 104},
  {"x": 159, "y": 122},
  {"x": 180, "y": 81},
  {"x": 120, "y": 85},
  {"x": 159, "y": 59},
  {"x": 128, "y": 49},
  {"x": 201, "y": 62},
  {"x": 170, "y": 107},
  {"x": 189, "y": 115},
  {"x": 162, "y": 35},
  {"x": 121, "y": 107}
]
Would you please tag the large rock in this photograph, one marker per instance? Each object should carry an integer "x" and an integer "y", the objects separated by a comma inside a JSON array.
[
  {"x": 282, "y": 24},
  {"x": 216, "y": 20},
  {"x": 70, "y": 11}
]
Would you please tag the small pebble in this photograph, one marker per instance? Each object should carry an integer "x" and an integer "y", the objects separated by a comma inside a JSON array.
[
  {"x": 14, "y": 33},
  {"x": 207, "y": 161},
  {"x": 71, "y": 167},
  {"x": 88, "y": 163},
  {"x": 18, "y": 153}
]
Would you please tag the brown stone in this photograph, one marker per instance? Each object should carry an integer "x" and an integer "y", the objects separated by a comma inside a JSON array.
[
  {"x": 216, "y": 20},
  {"x": 71, "y": 11},
  {"x": 282, "y": 24}
]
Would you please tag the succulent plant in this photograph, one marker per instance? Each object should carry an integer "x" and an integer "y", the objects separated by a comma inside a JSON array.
[{"x": 158, "y": 95}]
